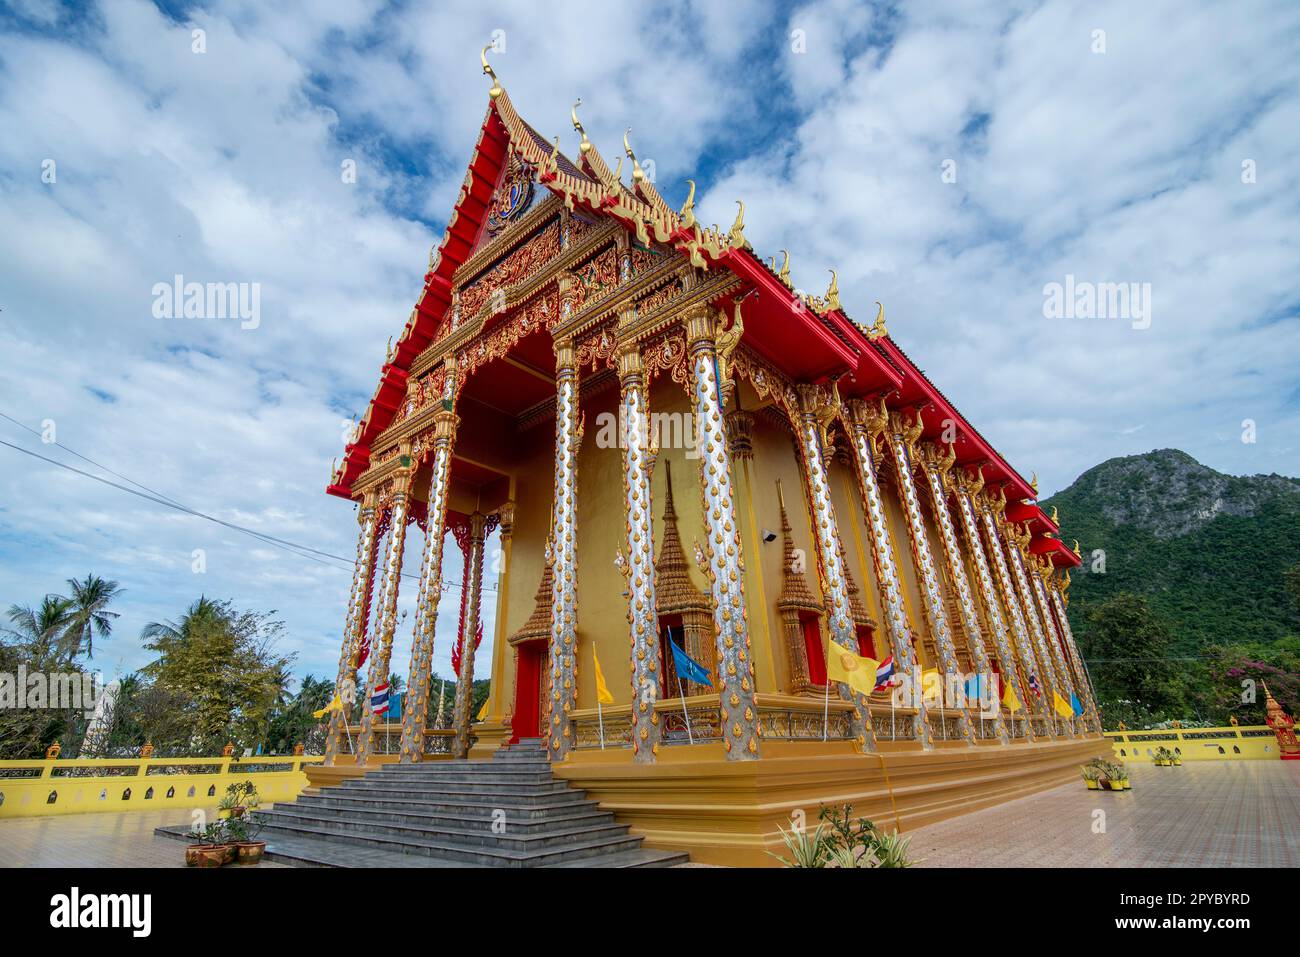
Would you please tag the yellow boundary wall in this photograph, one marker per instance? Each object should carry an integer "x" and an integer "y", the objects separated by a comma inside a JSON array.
[
  {"x": 99, "y": 785},
  {"x": 1251, "y": 743}
]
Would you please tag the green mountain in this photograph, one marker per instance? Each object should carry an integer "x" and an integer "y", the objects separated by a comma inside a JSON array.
[{"x": 1207, "y": 551}]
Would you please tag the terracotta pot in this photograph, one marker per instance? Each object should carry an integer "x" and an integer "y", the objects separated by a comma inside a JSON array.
[
  {"x": 212, "y": 856},
  {"x": 250, "y": 852},
  {"x": 193, "y": 852}
]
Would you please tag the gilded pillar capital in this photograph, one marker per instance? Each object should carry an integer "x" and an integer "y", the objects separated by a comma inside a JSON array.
[
  {"x": 506, "y": 519},
  {"x": 630, "y": 366},
  {"x": 701, "y": 327},
  {"x": 565, "y": 356},
  {"x": 740, "y": 434}
]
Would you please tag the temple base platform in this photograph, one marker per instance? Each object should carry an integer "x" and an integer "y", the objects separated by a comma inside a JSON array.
[{"x": 729, "y": 812}]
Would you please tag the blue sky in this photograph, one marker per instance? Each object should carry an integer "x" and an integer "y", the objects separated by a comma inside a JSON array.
[{"x": 1101, "y": 141}]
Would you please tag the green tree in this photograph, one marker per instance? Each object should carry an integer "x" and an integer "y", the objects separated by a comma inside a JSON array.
[
  {"x": 1128, "y": 650},
  {"x": 88, "y": 615},
  {"x": 221, "y": 663}
]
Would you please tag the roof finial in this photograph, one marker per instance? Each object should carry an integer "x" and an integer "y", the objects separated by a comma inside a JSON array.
[
  {"x": 496, "y": 89},
  {"x": 784, "y": 274},
  {"x": 688, "y": 210},
  {"x": 553, "y": 161},
  {"x": 638, "y": 174},
  {"x": 1033, "y": 482},
  {"x": 878, "y": 330},
  {"x": 1055, "y": 518},
  {"x": 833, "y": 293},
  {"x": 586, "y": 143},
  {"x": 736, "y": 235}
]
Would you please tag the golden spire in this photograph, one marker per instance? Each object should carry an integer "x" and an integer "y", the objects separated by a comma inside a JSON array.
[
  {"x": 794, "y": 586},
  {"x": 688, "y": 210},
  {"x": 638, "y": 174},
  {"x": 833, "y": 293},
  {"x": 877, "y": 330},
  {"x": 1077, "y": 553},
  {"x": 573, "y": 113},
  {"x": 736, "y": 235},
  {"x": 496, "y": 89},
  {"x": 1033, "y": 482},
  {"x": 1055, "y": 518}
]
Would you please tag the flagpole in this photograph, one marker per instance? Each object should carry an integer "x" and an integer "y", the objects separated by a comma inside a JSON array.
[
  {"x": 601, "y": 716},
  {"x": 685, "y": 715}
]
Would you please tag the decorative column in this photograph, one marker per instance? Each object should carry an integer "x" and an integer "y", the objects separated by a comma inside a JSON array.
[
  {"x": 1058, "y": 587},
  {"x": 639, "y": 455},
  {"x": 358, "y": 603},
  {"x": 817, "y": 409},
  {"x": 378, "y": 673},
  {"x": 1053, "y": 635},
  {"x": 1052, "y": 681},
  {"x": 937, "y": 479},
  {"x": 865, "y": 424},
  {"x": 901, "y": 439},
  {"x": 964, "y": 490},
  {"x": 722, "y": 548},
  {"x": 469, "y": 636},
  {"x": 415, "y": 713},
  {"x": 1019, "y": 627},
  {"x": 505, "y": 515},
  {"x": 564, "y": 554}
]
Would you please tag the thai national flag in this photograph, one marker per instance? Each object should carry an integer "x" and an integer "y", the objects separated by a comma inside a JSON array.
[
  {"x": 1033, "y": 686},
  {"x": 379, "y": 699},
  {"x": 885, "y": 674}
]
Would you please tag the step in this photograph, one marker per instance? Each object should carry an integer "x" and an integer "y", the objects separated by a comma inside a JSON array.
[
  {"x": 477, "y": 819},
  {"x": 443, "y": 848},
  {"x": 485, "y": 775},
  {"x": 557, "y": 835},
  {"x": 538, "y": 808},
  {"x": 511, "y": 792}
]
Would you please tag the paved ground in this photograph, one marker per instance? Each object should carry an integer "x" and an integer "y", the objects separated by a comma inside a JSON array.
[
  {"x": 95, "y": 840},
  {"x": 1204, "y": 814}
]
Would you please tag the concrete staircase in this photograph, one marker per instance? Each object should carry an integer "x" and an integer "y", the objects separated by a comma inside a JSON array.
[{"x": 505, "y": 812}]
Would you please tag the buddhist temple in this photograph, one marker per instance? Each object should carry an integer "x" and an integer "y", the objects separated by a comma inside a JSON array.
[{"x": 675, "y": 446}]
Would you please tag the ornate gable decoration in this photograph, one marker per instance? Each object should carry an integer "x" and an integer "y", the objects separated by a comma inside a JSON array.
[{"x": 514, "y": 194}]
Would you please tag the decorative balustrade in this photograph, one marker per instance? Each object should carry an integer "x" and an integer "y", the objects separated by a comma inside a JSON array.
[
  {"x": 945, "y": 724},
  {"x": 892, "y": 724}
]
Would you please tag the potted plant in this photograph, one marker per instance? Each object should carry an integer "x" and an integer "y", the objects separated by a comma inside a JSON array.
[
  {"x": 1091, "y": 776},
  {"x": 213, "y": 848},
  {"x": 1163, "y": 757},
  {"x": 194, "y": 852},
  {"x": 243, "y": 833},
  {"x": 1178, "y": 760},
  {"x": 238, "y": 799},
  {"x": 1120, "y": 777}
]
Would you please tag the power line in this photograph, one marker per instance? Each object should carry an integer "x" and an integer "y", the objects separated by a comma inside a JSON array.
[{"x": 152, "y": 495}]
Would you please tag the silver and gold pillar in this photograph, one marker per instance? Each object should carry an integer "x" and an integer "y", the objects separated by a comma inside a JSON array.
[
  {"x": 722, "y": 548},
  {"x": 1057, "y": 588},
  {"x": 1047, "y": 664},
  {"x": 362, "y": 582},
  {"x": 382, "y": 649},
  {"x": 937, "y": 479},
  {"x": 865, "y": 423},
  {"x": 964, "y": 490},
  {"x": 469, "y": 636},
  {"x": 415, "y": 712},
  {"x": 901, "y": 439},
  {"x": 818, "y": 407},
  {"x": 564, "y": 555},
  {"x": 639, "y": 567}
]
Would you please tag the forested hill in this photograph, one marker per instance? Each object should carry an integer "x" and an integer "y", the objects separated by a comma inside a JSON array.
[{"x": 1209, "y": 552}]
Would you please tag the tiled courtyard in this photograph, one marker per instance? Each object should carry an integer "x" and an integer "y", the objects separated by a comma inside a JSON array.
[{"x": 1204, "y": 814}]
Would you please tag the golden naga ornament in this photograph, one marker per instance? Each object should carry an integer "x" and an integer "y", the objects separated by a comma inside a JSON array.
[
  {"x": 585, "y": 146},
  {"x": 496, "y": 89},
  {"x": 736, "y": 235},
  {"x": 688, "y": 208}
]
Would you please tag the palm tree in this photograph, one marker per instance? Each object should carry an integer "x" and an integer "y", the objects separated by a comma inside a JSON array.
[
  {"x": 89, "y": 614},
  {"x": 40, "y": 628},
  {"x": 203, "y": 610}
]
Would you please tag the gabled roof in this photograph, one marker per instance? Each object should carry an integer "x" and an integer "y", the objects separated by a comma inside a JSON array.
[{"x": 809, "y": 338}]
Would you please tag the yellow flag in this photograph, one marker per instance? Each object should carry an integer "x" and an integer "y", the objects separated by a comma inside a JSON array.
[
  {"x": 335, "y": 705},
  {"x": 855, "y": 671},
  {"x": 1061, "y": 705},
  {"x": 1010, "y": 700},
  {"x": 602, "y": 692},
  {"x": 482, "y": 712}
]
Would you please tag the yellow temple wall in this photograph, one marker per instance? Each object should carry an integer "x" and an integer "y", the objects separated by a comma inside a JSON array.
[
  {"x": 775, "y": 458},
  {"x": 857, "y": 547}
]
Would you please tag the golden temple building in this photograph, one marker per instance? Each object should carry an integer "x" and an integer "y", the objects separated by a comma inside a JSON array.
[{"x": 677, "y": 447}]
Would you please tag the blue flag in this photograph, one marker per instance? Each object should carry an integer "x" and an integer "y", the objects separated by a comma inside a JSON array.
[
  {"x": 395, "y": 705},
  {"x": 688, "y": 668},
  {"x": 1074, "y": 704}
]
